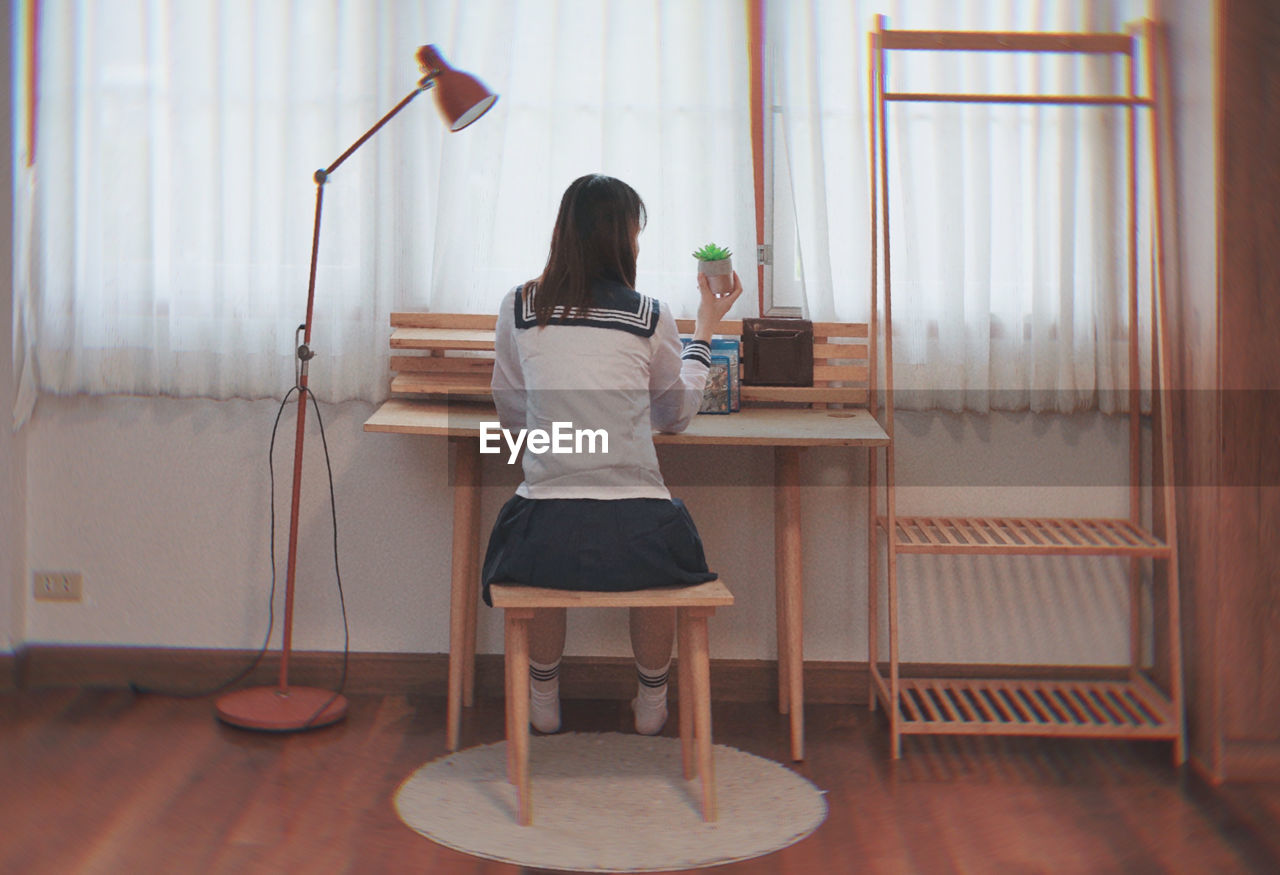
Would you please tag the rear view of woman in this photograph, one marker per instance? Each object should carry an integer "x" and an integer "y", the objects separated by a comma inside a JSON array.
[{"x": 580, "y": 349}]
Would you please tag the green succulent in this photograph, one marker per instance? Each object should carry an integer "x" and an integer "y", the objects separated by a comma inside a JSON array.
[{"x": 712, "y": 252}]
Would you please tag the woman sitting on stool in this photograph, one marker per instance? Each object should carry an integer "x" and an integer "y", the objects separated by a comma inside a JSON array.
[{"x": 579, "y": 349}]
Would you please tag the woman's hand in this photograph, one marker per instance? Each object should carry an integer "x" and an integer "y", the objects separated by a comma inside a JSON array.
[{"x": 712, "y": 308}]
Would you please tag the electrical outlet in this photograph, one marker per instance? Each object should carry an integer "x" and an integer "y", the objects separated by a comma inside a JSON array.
[{"x": 58, "y": 586}]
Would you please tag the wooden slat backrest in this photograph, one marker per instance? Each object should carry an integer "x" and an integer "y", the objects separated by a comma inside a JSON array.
[
  {"x": 436, "y": 354},
  {"x": 442, "y": 354}
]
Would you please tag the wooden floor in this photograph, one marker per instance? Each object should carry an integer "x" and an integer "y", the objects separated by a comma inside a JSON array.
[{"x": 106, "y": 781}]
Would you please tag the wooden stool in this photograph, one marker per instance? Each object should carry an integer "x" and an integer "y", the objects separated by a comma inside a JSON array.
[{"x": 693, "y": 604}]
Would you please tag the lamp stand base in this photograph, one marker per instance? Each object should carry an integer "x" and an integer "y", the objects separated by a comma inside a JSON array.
[{"x": 272, "y": 709}]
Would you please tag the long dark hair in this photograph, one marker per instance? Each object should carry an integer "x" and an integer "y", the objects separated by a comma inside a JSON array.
[{"x": 594, "y": 239}]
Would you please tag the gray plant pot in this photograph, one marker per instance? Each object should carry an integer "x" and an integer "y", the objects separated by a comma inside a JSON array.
[{"x": 719, "y": 274}]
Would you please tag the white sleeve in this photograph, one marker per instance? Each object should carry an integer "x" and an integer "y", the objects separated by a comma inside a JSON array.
[
  {"x": 508, "y": 378},
  {"x": 676, "y": 378}
]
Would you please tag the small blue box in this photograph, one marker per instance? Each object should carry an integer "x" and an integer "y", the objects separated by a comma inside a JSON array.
[{"x": 722, "y": 394}]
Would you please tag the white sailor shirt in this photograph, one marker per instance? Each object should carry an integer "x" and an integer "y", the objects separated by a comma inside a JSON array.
[{"x": 618, "y": 369}]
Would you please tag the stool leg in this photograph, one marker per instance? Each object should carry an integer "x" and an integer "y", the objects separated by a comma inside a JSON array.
[
  {"x": 687, "y": 694},
  {"x": 518, "y": 659},
  {"x": 508, "y": 702},
  {"x": 701, "y": 670}
]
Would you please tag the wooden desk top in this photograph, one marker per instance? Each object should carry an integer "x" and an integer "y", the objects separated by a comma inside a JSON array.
[{"x": 753, "y": 426}]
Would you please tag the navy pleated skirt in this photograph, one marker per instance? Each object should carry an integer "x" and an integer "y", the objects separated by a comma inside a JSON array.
[{"x": 590, "y": 544}]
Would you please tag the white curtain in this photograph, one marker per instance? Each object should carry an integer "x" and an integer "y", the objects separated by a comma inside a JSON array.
[
  {"x": 166, "y": 236},
  {"x": 1007, "y": 222}
]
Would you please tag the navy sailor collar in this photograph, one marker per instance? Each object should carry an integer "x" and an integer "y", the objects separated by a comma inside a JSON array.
[{"x": 614, "y": 305}]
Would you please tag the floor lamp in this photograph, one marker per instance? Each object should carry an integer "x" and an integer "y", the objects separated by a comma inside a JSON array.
[{"x": 461, "y": 99}]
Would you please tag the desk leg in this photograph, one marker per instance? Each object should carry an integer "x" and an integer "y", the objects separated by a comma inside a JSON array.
[
  {"x": 790, "y": 583},
  {"x": 780, "y": 591},
  {"x": 472, "y": 579},
  {"x": 466, "y": 506}
]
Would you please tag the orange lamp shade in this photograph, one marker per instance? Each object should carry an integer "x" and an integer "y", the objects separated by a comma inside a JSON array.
[{"x": 460, "y": 97}]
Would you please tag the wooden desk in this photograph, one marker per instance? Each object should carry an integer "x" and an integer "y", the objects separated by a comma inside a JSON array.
[{"x": 786, "y": 430}]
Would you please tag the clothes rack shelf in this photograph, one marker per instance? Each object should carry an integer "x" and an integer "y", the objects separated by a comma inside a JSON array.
[{"x": 1146, "y": 702}]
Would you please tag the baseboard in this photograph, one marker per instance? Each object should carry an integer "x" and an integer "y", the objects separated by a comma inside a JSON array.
[
  {"x": 8, "y": 671},
  {"x": 1249, "y": 760},
  {"x": 189, "y": 671}
]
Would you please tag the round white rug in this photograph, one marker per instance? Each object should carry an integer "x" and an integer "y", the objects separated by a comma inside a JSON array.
[{"x": 609, "y": 802}]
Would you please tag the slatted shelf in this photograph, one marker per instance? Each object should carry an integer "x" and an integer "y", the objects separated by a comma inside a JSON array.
[
  {"x": 1025, "y": 535},
  {"x": 803, "y": 394},
  {"x": 479, "y": 363},
  {"x": 969, "y": 706},
  {"x": 441, "y": 338},
  {"x": 419, "y": 384},
  {"x": 469, "y": 385},
  {"x": 436, "y": 355}
]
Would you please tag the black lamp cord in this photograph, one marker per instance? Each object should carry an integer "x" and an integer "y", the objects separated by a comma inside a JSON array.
[{"x": 333, "y": 511}]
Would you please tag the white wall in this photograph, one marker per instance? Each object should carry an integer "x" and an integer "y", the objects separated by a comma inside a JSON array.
[
  {"x": 163, "y": 505},
  {"x": 12, "y": 446}
]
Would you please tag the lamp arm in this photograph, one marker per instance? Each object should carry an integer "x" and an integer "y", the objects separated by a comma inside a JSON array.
[
  {"x": 425, "y": 83},
  {"x": 321, "y": 177}
]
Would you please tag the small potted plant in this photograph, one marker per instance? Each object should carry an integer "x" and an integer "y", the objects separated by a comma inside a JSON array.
[{"x": 716, "y": 262}]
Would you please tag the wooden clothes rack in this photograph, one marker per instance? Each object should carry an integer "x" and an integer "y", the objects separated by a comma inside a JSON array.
[{"x": 1135, "y": 704}]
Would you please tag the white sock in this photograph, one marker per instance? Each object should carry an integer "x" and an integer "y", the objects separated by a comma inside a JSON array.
[
  {"x": 650, "y": 703},
  {"x": 544, "y": 696}
]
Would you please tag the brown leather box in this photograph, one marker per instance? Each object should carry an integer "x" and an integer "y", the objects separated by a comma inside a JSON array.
[{"x": 777, "y": 352}]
